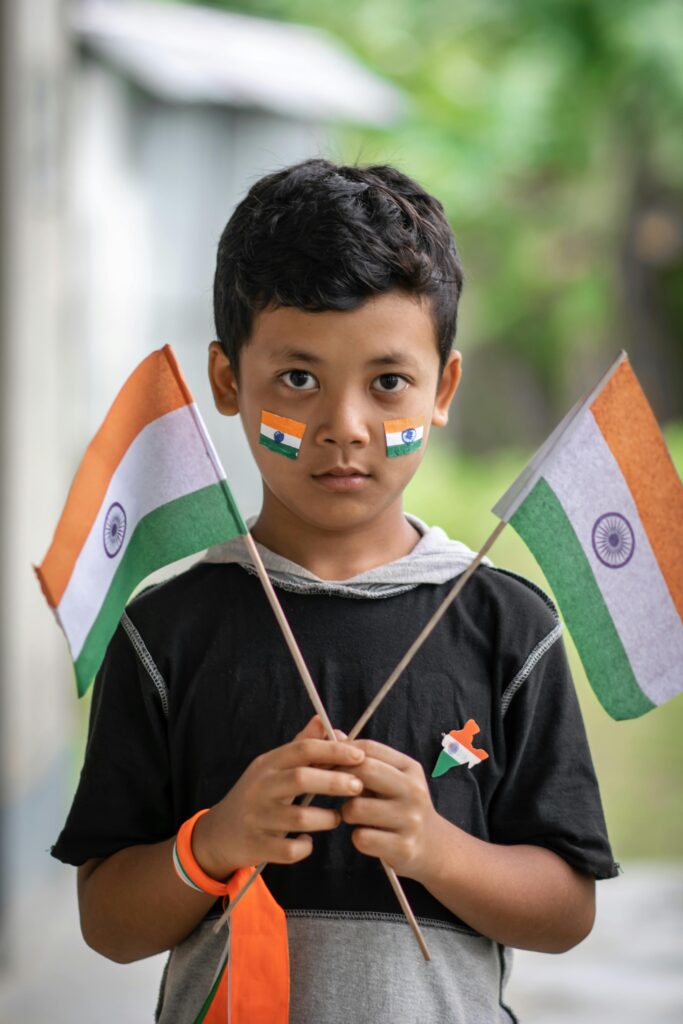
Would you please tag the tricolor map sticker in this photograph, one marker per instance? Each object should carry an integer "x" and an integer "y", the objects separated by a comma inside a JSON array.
[
  {"x": 280, "y": 434},
  {"x": 458, "y": 749},
  {"x": 403, "y": 436}
]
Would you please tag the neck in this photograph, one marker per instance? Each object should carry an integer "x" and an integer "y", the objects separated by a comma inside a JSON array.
[{"x": 334, "y": 554}]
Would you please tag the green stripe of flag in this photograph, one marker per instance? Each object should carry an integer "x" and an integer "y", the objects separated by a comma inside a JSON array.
[
  {"x": 179, "y": 528},
  {"x": 544, "y": 527},
  {"x": 444, "y": 762},
  {"x": 281, "y": 449},
  {"x": 404, "y": 449}
]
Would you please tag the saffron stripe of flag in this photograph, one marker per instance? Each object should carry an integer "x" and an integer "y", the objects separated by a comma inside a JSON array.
[
  {"x": 403, "y": 436},
  {"x": 150, "y": 490},
  {"x": 280, "y": 434},
  {"x": 601, "y": 508}
]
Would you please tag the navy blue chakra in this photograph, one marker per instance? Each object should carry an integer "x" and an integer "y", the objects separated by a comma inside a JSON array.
[
  {"x": 613, "y": 539},
  {"x": 278, "y": 436},
  {"x": 114, "y": 529},
  {"x": 409, "y": 435}
]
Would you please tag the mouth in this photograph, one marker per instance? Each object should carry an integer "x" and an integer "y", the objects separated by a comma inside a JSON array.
[{"x": 342, "y": 478}]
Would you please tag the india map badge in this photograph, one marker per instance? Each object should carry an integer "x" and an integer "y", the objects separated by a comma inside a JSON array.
[
  {"x": 458, "y": 748},
  {"x": 281, "y": 434}
]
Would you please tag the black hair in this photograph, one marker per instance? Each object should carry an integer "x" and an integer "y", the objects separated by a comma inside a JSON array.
[{"x": 320, "y": 236}]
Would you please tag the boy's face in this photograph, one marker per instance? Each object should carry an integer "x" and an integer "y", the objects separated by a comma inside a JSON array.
[{"x": 342, "y": 374}]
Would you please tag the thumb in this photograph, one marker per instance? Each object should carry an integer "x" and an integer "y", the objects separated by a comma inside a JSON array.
[{"x": 315, "y": 730}]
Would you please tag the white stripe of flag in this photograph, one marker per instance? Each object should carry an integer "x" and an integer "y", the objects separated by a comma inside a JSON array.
[
  {"x": 636, "y": 594},
  {"x": 166, "y": 460},
  {"x": 396, "y": 438},
  {"x": 289, "y": 439}
]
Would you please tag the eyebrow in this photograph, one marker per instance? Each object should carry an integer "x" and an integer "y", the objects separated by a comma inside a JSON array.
[
  {"x": 392, "y": 359},
  {"x": 295, "y": 355},
  {"x": 300, "y": 355}
]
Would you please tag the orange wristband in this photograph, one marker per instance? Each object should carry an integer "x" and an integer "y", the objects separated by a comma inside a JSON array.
[{"x": 187, "y": 867}]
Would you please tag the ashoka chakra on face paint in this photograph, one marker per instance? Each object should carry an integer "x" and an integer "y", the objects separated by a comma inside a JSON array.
[
  {"x": 613, "y": 539},
  {"x": 114, "y": 529},
  {"x": 278, "y": 436},
  {"x": 409, "y": 435}
]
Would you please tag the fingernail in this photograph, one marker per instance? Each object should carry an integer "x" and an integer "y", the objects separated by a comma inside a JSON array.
[
  {"x": 356, "y": 754},
  {"x": 356, "y": 785}
]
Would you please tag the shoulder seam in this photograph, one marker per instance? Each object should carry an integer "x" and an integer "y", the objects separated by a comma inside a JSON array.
[
  {"x": 525, "y": 671},
  {"x": 147, "y": 660},
  {"x": 532, "y": 586}
]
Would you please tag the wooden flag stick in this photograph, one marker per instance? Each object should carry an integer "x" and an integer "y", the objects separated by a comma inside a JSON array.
[
  {"x": 290, "y": 639},
  {"x": 320, "y": 709},
  {"x": 420, "y": 639}
]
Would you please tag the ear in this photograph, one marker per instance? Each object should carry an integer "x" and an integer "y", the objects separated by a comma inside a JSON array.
[
  {"x": 223, "y": 381},
  {"x": 450, "y": 378}
]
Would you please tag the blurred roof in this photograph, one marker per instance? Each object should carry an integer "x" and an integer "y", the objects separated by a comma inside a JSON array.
[{"x": 187, "y": 54}]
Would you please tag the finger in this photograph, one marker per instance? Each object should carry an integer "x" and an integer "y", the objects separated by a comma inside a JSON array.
[
  {"x": 278, "y": 850},
  {"x": 383, "y": 778},
  {"x": 320, "y": 781},
  {"x": 374, "y": 842},
  {"x": 316, "y": 751},
  {"x": 381, "y": 752},
  {"x": 302, "y": 819},
  {"x": 373, "y": 812}
]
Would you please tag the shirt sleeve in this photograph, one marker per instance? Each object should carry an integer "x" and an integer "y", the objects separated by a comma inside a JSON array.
[
  {"x": 549, "y": 795},
  {"x": 123, "y": 796}
]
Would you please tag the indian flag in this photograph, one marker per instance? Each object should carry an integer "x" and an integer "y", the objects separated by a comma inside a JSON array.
[
  {"x": 600, "y": 505},
  {"x": 281, "y": 434},
  {"x": 403, "y": 436},
  {"x": 150, "y": 490}
]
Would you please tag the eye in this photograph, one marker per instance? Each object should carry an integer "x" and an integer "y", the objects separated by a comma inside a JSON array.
[
  {"x": 390, "y": 383},
  {"x": 300, "y": 380}
]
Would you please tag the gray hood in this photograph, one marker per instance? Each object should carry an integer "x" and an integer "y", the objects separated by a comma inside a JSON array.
[{"x": 434, "y": 559}]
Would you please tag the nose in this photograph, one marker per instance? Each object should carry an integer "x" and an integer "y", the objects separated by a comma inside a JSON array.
[{"x": 344, "y": 422}]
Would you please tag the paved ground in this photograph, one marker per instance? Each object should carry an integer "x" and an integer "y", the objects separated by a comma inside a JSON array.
[{"x": 629, "y": 970}]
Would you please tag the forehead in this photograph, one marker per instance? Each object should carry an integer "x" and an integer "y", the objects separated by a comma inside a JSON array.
[{"x": 386, "y": 326}]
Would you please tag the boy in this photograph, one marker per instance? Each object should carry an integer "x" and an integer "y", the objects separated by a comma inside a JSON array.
[{"x": 336, "y": 295}]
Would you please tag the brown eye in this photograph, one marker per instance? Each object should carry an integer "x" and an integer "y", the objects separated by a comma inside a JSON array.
[
  {"x": 390, "y": 382},
  {"x": 300, "y": 380}
]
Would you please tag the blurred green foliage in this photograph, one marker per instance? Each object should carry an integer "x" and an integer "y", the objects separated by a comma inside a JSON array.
[
  {"x": 639, "y": 763},
  {"x": 551, "y": 132}
]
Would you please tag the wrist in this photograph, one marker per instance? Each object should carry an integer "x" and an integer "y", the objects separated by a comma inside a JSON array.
[
  {"x": 204, "y": 848},
  {"x": 441, "y": 850}
]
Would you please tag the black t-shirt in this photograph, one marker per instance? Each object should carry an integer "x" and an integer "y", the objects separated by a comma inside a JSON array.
[{"x": 200, "y": 682}]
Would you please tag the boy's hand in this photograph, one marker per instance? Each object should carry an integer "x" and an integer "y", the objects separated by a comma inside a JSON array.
[
  {"x": 248, "y": 825},
  {"x": 395, "y": 810}
]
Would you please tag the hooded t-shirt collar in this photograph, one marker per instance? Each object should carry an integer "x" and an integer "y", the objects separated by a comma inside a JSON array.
[{"x": 434, "y": 559}]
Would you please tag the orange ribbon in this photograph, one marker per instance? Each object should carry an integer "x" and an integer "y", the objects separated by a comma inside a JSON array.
[{"x": 256, "y": 976}]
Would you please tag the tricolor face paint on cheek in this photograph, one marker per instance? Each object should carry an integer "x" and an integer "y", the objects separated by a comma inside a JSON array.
[
  {"x": 403, "y": 436},
  {"x": 280, "y": 434}
]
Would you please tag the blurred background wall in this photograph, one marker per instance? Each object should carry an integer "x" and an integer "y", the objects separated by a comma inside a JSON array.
[
  {"x": 551, "y": 132},
  {"x": 129, "y": 133}
]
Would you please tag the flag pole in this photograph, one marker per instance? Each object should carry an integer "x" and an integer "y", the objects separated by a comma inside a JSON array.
[
  {"x": 290, "y": 639},
  {"x": 320, "y": 709}
]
